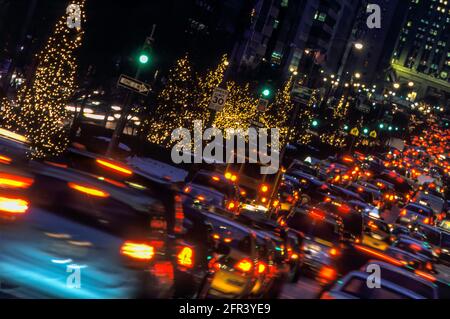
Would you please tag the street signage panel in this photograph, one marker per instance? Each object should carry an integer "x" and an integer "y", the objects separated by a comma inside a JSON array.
[
  {"x": 134, "y": 85},
  {"x": 354, "y": 132},
  {"x": 218, "y": 100},
  {"x": 263, "y": 104}
]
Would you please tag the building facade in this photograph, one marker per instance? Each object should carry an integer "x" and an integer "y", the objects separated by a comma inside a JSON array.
[{"x": 422, "y": 53}]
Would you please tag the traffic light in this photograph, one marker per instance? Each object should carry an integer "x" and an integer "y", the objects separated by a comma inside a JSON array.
[
  {"x": 144, "y": 58},
  {"x": 266, "y": 93},
  {"x": 366, "y": 131},
  {"x": 346, "y": 127},
  {"x": 315, "y": 123},
  {"x": 381, "y": 126},
  {"x": 144, "y": 55}
]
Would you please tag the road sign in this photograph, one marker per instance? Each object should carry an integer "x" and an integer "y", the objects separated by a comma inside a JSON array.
[
  {"x": 354, "y": 132},
  {"x": 218, "y": 100},
  {"x": 263, "y": 104},
  {"x": 301, "y": 94},
  {"x": 365, "y": 143},
  {"x": 373, "y": 134},
  {"x": 134, "y": 85}
]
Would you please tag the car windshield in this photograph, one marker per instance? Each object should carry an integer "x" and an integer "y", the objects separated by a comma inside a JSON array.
[
  {"x": 214, "y": 183},
  {"x": 241, "y": 239},
  {"x": 418, "y": 210},
  {"x": 407, "y": 282},
  {"x": 313, "y": 228}
]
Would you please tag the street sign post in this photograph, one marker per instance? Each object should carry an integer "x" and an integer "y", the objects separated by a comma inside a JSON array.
[
  {"x": 263, "y": 104},
  {"x": 134, "y": 85},
  {"x": 218, "y": 100}
]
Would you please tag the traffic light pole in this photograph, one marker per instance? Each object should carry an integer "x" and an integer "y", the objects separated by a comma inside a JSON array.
[{"x": 121, "y": 124}]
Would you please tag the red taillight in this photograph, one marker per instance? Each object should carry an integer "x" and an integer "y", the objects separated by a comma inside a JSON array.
[
  {"x": 231, "y": 206},
  {"x": 158, "y": 224},
  {"x": 14, "y": 206},
  {"x": 14, "y": 181},
  {"x": 139, "y": 251},
  {"x": 244, "y": 265},
  {"x": 179, "y": 215},
  {"x": 334, "y": 252},
  {"x": 427, "y": 221},
  {"x": 185, "y": 257},
  {"x": 261, "y": 268},
  {"x": 328, "y": 273}
]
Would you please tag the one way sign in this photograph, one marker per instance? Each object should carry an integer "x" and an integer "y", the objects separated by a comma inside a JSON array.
[{"x": 134, "y": 85}]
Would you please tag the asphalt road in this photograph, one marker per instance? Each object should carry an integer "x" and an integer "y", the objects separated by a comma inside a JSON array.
[{"x": 306, "y": 288}]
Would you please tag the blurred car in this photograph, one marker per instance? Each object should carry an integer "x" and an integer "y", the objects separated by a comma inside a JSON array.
[
  {"x": 415, "y": 213},
  {"x": 377, "y": 234},
  {"x": 415, "y": 246},
  {"x": 354, "y": 286},
  {"x": 219, "y": 184},
  {"x": 323, "y": 235},
  {"x": 234, "y": 273},
  {"x": 352, "y": 220},
  {"x": 141, "y": 218}
]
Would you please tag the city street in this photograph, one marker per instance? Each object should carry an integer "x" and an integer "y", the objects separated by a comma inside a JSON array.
[{"x": 193, "y": 150}]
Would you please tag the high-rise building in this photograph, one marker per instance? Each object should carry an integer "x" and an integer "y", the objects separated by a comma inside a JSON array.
[
  {"x": 421, "y": 59},
  {"x": 287, "y": 35}
]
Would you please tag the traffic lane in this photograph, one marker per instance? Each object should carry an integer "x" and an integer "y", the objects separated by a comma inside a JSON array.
[
  {"x": 39, "y": 253},
  {"x": 443, "y": 272},
  {"x": 306, "y": 288}
]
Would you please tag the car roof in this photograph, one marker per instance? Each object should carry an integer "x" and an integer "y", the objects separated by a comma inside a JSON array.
[{"x": 364, "y": 275}]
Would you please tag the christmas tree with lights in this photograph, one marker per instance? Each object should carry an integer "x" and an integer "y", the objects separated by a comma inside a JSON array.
[
  {"x": 40, "y": 109},
  {"x": 175, "y": 103}
]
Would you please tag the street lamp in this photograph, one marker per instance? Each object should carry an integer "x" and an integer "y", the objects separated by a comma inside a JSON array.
[
  {"x": 357, "y": 75},
  {"x": 411, "y": 84},
  {"x": 396, "y": 86},
  {"x": 358, "y": 46}
]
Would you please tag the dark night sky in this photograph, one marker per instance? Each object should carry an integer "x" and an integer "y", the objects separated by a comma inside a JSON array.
[{"x": 116, "y": 30}]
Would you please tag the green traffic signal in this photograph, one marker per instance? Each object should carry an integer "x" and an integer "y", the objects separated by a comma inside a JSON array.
[
  {"x": 381, "y": 126},
  {"x": 266, "y": 93},
  {"x": 315, "y": 123},
  {"x": 144, "y": 58},
  {"x": 366, "y": 131}
]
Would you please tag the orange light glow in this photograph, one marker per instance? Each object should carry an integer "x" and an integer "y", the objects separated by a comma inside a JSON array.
[
  {"x": 216, "y": 179},
  {"x": 264, "y": 200},
  {"x": 88, "y": 190},
  {"x": 379, "y": 255},
  {"x": 137, "y": 250},
  {"x": 264, "y": 188},
  {"x": 425, "y": 276},
  {"x": 216, "y": 236},
  {"x": 115, "y": 167},
  {"x": 231, "y": 206},
  {"x": 5, "y": 160},
  {"x": 244, "y": 265},
  {"x": 13, "y": 181},
  {"x": 328, "y": 273},
  {"x": 185, "y": 257},
  {"x": 334, "y": 252},
  {"x": 261, "y": 268},
  {"x": 13, "y": 205}
]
